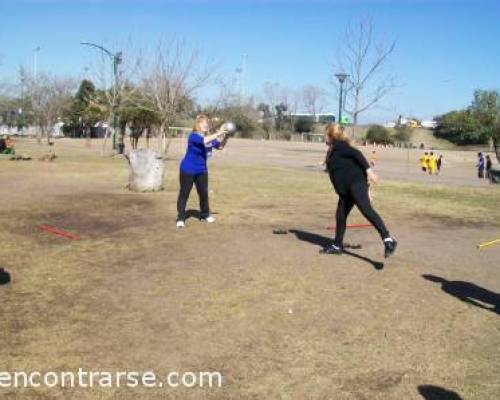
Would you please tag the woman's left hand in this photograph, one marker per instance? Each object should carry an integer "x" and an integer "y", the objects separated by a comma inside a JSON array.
[{"x": 372, "y": 177}]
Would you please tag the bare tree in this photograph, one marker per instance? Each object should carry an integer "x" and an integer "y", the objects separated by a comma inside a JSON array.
[
  {"x": 292, "y": 99},
  {"x": 313, "y": 99},
  {"x": 272, "y": 95},
  {"x": 54, "y": 95},
  {"x": 51, "y": 95},
  {"x": 228, "y": 96},
  {"x": 364, "y": 57},
  {"x": 171, "y": 80}
]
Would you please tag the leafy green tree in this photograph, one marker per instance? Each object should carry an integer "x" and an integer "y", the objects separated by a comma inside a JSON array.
[
  {"x": 265, "y": 110},
  {"x": 139, "y": 115},
  {"x": 478, "y": 124},
  {"x": 486, "y": 107},
  {"x": 280, "y": 115},
  {"x": 266, "y": 118},
  {"x": 496, "y": 140},
  {"x": 86, "y": 109},
  {"x": 461, "y": 127},
  {"x": 304, "y": 124}
]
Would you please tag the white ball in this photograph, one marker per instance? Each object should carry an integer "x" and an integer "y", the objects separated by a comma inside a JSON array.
[{"x": 230, "y": 127}]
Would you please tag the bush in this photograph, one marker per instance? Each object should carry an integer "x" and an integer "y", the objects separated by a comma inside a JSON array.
[
  {"x": 402, "y": 135},
  {"x": 244, "y": 119},
  {"x": 245, "y": 125},
  {"x": 303, "y": 124},
  {"x": 284, "y": 135},
  {"x": 379, "y": 134},
  {"x": 461, "y": 127}
]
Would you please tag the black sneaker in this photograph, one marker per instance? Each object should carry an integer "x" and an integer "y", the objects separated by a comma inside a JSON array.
[
  {"x": 390, "y": 247},
  {"x": 4, "y": 277},
  {"x": 332, "y": 249}
]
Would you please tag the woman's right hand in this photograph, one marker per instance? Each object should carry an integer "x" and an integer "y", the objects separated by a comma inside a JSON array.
[{"x": 221, "y": 134}]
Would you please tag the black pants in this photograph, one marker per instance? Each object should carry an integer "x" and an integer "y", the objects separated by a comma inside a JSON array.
[
  {"x": 186, "y": 181},
  {"x": 356, "y": 194}
]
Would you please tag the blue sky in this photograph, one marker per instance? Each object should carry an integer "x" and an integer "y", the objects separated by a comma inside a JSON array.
[{"x": 445, "y": 49}]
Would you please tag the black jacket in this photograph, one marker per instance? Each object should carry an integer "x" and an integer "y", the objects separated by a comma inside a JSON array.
[{"x": 346, "y": 165}]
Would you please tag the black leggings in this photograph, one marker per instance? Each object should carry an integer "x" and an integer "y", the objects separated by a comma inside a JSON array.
[
  {"x": 186, "y": 181},
  {"x": 357, "y": 194}
]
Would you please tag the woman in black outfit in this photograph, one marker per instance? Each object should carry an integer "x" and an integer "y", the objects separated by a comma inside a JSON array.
[{"x": 349, "y": 173}]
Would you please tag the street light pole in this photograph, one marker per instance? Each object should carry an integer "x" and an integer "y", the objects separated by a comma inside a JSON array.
[
  {"x": 117, "y": 59},
  {"x": 36, "y": 50},
  {"x": 22, "y": 105},
  {"x": 341, "y": 76}
]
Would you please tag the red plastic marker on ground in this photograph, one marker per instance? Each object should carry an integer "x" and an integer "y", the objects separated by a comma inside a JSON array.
[{"x": 55, "y": 231}]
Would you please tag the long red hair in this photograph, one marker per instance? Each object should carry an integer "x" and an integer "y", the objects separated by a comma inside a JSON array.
[
  {"x": 335, "y": 133},
  {"x": 198, "y": 120}
]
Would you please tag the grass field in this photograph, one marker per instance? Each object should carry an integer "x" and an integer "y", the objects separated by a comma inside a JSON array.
[{"x": 278, "y": 319}]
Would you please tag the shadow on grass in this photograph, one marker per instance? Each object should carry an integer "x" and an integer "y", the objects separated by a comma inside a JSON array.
[
  {"x": 469, "y": 293},
  {"x": 430, "y": 392},
  {"x": 4, "y": 277},
  {"x": 324, "y": 241},
  {"x": 195, "y": 214}
]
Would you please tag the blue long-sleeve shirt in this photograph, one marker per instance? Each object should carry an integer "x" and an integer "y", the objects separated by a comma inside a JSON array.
[
  {"x": 195, "y": 160},
  {"x": 480, "y": 166}
]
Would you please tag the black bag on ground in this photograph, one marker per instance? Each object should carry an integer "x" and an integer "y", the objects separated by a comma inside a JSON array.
[
  {"x": 4, "y": 277},
  {"x": 495, "y": 175}
]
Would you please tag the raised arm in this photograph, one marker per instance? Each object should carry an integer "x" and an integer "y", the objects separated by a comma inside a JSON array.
[
  {"x": 210, "y": 138},
  {"x": 223, "y": 142}
]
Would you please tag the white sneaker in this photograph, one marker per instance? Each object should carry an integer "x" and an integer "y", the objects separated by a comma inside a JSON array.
[
  {"x": 209, "y": 219},
  {"x": 180, "y": 224}
]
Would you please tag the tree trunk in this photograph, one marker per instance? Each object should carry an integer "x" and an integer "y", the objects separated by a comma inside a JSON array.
[
  {"x": 146, "y": 171},
  {"x": 162, "y": 136},
  {"x": 120, "y": 140},
  {"x": 496, "y": 146},
  {"x": 48, "y": 135},
  {"x": 39, "y": 134},
  {"x": 164, "y": 133},
  {"x": 106, "y": 136}
]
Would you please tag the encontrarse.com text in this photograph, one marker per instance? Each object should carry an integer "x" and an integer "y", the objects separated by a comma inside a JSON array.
[{"x": 107, "y": 379}]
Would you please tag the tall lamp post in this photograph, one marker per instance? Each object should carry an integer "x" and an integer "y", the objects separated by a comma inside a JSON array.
[
  {"x": 341, "y": 76},
  {"x": 21, "y": 109},
  {"x": 117, "y": 59}
]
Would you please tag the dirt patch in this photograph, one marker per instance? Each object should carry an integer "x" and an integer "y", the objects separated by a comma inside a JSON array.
[{"x": 91, "y": 215}]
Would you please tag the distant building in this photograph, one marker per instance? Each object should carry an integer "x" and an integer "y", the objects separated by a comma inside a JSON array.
[
  {"x": 323, "y": 118},
  {"x": 57, "y": 130},
  {"x": 429, "y": 124}
]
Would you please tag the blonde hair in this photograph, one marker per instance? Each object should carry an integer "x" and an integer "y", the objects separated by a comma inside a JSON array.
[
  {"x": 335, "y": 133},
  {"x": 198, "y": 120}
]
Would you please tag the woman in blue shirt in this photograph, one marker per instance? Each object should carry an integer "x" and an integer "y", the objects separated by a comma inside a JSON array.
[{"x": 193, "y": 168}]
